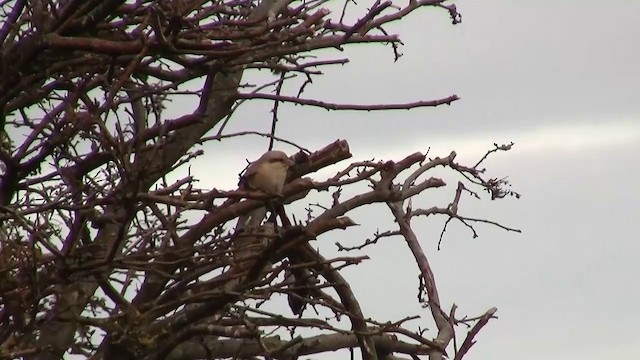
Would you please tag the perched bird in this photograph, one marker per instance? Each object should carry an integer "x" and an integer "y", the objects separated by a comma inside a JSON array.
[
  {"x": 269, "y": 9},
  {"x": 268, "y": 173}
]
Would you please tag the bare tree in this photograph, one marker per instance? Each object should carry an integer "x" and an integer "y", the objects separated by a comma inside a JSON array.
[{"x": 102, "y": 256}]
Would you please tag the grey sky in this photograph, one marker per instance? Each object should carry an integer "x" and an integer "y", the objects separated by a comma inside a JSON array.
[{"x": 561, "y": 79}]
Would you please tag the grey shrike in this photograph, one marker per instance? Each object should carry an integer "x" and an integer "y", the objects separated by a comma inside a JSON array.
[{"x": 268, "y": 173}]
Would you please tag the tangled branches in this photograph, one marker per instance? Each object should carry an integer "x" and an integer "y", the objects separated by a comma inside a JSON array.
[{"x": 101, "y": 255}]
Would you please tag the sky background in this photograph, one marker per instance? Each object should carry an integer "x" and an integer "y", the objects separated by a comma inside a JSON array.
[{"x": 559, "y": 78}]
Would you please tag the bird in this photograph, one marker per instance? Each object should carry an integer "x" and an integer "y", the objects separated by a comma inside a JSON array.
[
  {"x": 269, "y": 9},
  {"x": 268, "y": 174}
]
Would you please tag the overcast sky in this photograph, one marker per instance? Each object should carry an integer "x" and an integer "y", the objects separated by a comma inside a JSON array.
[{"x": 559, "y": 78}]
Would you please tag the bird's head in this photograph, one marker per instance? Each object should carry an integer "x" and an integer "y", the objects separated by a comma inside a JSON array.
[{"x": 278, "y": 157}]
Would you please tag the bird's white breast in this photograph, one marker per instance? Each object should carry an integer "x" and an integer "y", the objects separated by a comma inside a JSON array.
[{"x": 270, "y": 177}]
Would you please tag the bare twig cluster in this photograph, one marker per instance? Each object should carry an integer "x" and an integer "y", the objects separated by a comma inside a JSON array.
[{"x": 101, "y": 255}]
